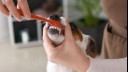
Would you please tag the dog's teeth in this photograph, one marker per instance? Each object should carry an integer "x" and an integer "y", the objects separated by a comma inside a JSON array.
[
  {"x": 56, "y": 28},
  {"x": 52, "y": 27},
  {"x": 59, "y": 31}
]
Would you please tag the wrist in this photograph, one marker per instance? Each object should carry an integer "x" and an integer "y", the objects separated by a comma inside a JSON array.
[{"x": 84, "y": 66}]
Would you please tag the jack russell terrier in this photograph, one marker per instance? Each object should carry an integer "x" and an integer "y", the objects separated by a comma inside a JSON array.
[{"x": 85, "y": 42}]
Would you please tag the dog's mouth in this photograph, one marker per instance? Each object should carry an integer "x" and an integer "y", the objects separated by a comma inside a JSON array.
[
  {"x": 56, "y": 34},
  {"x": 55, "y": 31},
  {"x": 52, "y": 30}
]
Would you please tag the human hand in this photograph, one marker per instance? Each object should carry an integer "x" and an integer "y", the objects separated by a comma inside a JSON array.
[
  {"x": 22, "y": 4},
  {"x": 68, "y": 53}
]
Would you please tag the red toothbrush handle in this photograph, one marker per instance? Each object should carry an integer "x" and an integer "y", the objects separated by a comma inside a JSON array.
[{"x": 52, "y": 22}]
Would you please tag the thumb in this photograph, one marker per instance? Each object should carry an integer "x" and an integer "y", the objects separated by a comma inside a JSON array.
[
  {"x": 45, "y": 37},
  {"x": 68, "y": 32}
]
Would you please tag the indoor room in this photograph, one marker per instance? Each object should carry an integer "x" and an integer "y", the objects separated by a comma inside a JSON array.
[{"x": 98, "y": 28}]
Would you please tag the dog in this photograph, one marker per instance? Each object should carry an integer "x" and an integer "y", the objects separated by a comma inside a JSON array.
[{"x": 85, "y": 42}]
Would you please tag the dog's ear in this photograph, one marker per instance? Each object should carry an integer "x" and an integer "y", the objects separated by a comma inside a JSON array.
[
  {"x": 76, "y": 32},
  {"x": 91, "y": 48}
]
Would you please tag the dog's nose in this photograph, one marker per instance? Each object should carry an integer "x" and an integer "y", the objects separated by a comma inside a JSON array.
[{"x": 55, "y": 17}]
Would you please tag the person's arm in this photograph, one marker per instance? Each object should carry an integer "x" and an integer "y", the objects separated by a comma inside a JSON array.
[
  {"x": 22, "y": 4},
  {"x": 70, "y": 55},
  {"x": 108, "y": 65}
]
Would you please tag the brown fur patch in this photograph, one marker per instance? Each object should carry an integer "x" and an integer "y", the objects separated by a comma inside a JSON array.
[
  {"x": 78, "y": 36},
  {"x": 91, "y": 48}
]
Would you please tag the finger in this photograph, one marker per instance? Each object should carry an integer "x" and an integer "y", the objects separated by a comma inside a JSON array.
[
  {"x": 13, "y": 10},
  {"x": 46, "y": 39},
  {"x": 68, "y": 32},
  {"x": 45, "y": 29},
  {"x": 25, "y": 8},
  {"x": 2, "y": 9}
]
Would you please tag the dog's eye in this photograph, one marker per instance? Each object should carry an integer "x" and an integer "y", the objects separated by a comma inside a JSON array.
[{"x": 73, "y": 27}]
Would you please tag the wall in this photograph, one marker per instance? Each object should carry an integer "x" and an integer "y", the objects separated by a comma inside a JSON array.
[
  {"x": 4, "y": 31},
  {"x": 75, "y": 14}
]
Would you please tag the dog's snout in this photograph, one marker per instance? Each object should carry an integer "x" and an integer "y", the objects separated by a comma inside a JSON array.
[{"x": 55, "y": 17}]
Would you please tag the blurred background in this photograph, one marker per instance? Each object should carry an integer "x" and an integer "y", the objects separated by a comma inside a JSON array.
[{"x": 21, "y": 48}]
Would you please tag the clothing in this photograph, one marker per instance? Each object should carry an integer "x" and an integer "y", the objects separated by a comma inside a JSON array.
[
  {"x": 114, "y": 43},
  {"x": 115, "y": 34},
  {"x": 108, "y": 65}
]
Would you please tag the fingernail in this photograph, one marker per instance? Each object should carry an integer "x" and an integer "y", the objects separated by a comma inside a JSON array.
[
  {"x": 28, "y": 17},
  {"x": 19, "y": 19},
  {"x": 8, "y": 14}
]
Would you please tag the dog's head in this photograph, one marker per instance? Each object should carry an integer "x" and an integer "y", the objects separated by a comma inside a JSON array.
[{"x": 57, "y": 36}]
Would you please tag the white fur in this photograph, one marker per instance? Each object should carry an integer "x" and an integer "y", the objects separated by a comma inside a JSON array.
[
  {"x": 63, "y": 21},
  {"x": 56, "y": 39},
  {"x": 84, "y": 43}
]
